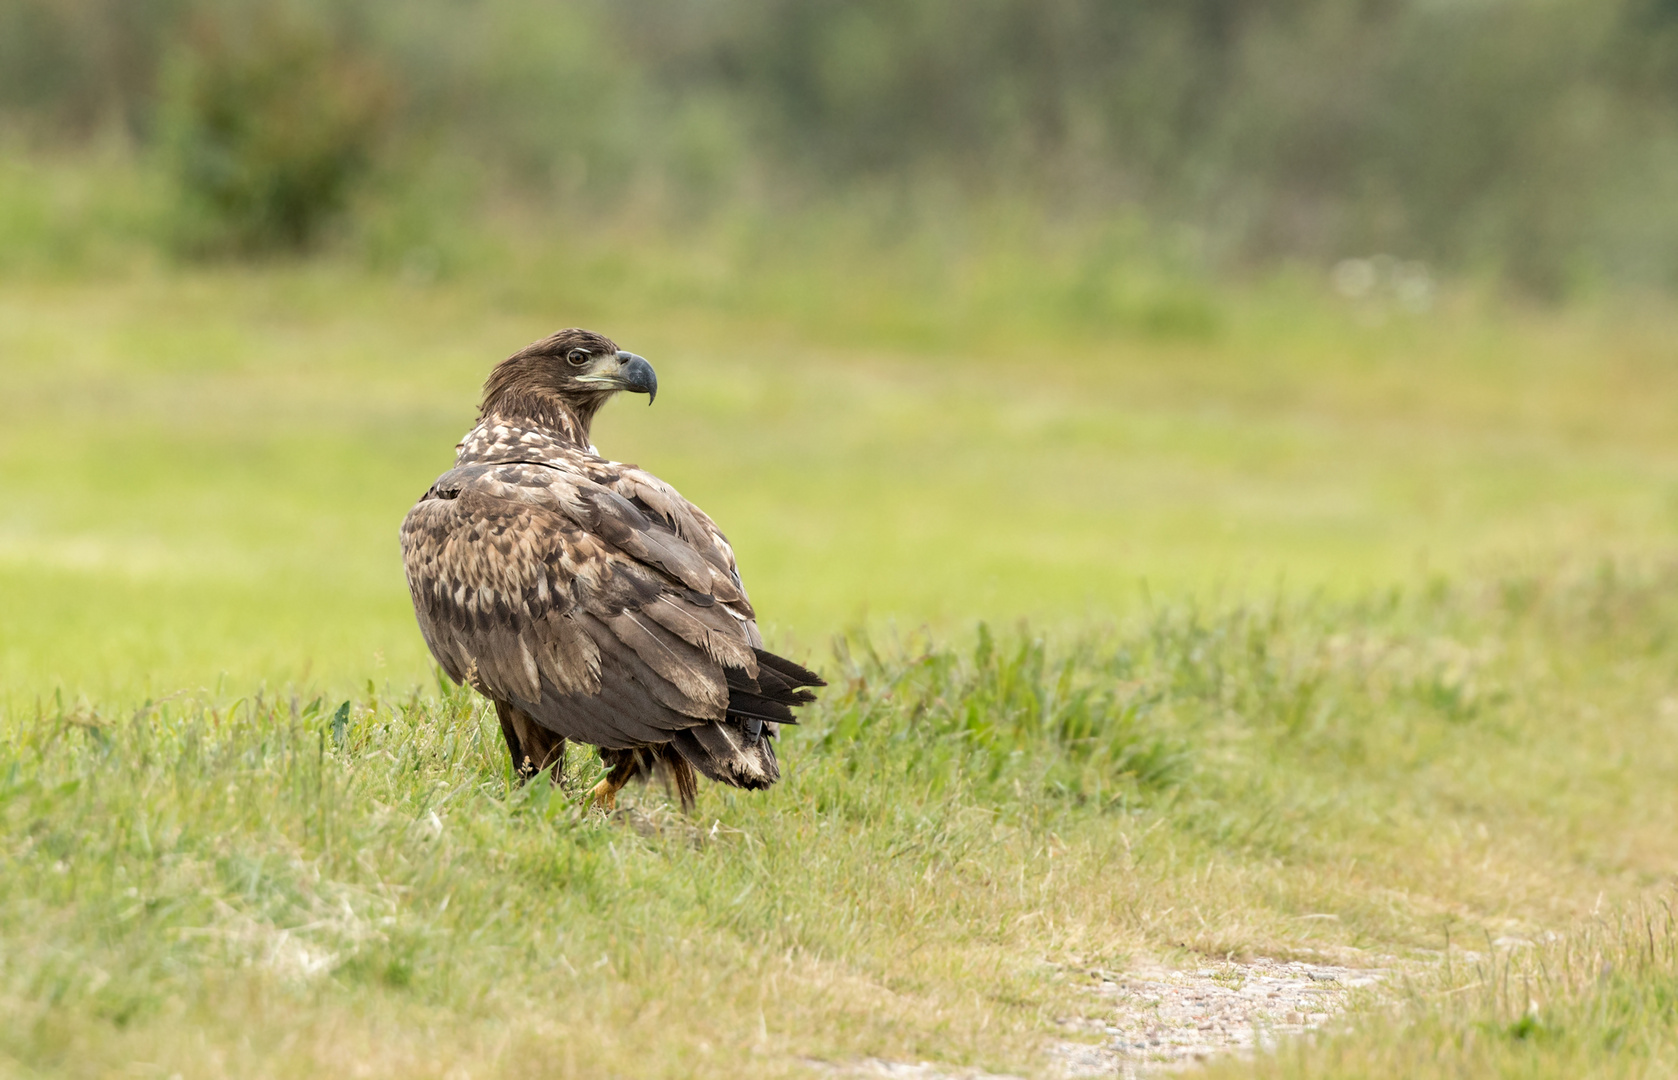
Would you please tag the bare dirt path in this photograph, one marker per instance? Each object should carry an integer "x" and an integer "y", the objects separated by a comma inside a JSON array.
[{"x": 1154, "y": 1019}]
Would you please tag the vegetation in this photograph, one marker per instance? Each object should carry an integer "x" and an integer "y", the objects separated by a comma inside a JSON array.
[
  {"x": 1529, "y": 143},
  {"x": 266, "y": 131},
  {"x": 1331, "y": 618},
  {"x": 1597, "y": 1002},
  {"x": 278, "y": 886},
  {"x": 1194, "y": 580}
]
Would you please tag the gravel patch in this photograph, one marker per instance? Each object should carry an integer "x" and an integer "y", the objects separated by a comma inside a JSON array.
[
  {"x": 899, "y": 1070},
  {"x": 1156, "y": 1020}
]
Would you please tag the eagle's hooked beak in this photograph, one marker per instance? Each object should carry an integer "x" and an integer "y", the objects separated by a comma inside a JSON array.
[
  {"x": 637, "y": 375},
  {"x": 628, "y": 372}
]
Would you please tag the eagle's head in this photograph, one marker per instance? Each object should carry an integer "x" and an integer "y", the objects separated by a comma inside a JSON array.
[{"x": 566, "y": 376}]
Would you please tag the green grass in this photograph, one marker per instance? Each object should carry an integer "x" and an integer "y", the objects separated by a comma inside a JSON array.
[
  {"x": 1602, "y": 1001},
  {"x": 1330, "y": 611},
  {"x": 205, "y": 469},
  {"x": 276, "y": 886}
]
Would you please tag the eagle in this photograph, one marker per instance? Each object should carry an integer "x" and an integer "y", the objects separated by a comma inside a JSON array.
[{"x": 586, "y": 598}]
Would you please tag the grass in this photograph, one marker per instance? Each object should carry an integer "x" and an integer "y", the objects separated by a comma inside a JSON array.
[
  {"x": 277, "y": 886},
  {"x": 1332, "y": 611},
  {"x": 206, "y": 468},
  {"x": 1599, "y": 1001}
]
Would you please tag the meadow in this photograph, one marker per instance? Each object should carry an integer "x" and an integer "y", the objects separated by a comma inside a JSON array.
[
  {"x": 1163, "y": 620},
  {"x": 212, "y": 460}
]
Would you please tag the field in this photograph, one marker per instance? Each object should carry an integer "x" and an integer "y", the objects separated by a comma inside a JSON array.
[{"x": 1163, "y": 623}]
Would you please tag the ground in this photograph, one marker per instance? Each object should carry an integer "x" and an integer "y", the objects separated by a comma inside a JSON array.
[{"x": 1347, "y": 641}]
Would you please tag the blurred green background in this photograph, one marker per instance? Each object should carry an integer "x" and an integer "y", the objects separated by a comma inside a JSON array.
[{"x": 995, "y": 309}]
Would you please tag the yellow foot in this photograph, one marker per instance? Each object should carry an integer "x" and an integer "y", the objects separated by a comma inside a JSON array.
[{"x": 604, "y": 796}]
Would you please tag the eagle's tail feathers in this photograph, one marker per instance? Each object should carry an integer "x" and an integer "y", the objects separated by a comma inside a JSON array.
[
  {"x": 739, "y": 750},
  {"x": 772, "y": 686},
  {"x": 763, "y": 713},
  {"x": 795, "y": 674},
  {"x": 722, "y": 752}
]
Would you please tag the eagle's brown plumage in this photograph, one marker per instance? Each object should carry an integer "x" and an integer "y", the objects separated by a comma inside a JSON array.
[{"x": 587, "y": 598}]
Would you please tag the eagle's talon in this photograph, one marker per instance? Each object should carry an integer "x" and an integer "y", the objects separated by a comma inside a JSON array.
[{"x": 604, "y": 795}]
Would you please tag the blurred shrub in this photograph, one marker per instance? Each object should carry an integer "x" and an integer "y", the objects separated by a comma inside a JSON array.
[{"x": 267, "y": 124}]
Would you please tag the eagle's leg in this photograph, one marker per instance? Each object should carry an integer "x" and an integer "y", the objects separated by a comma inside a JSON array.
[
  {"x": 534, "y": 748},
  {"x": 504, "y": 713},
  {"x": 623, "y": 765},
  {"x": 677, "y": 774}
]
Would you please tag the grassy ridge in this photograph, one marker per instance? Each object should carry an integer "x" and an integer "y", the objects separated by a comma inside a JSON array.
[{"x": 284, "y": 886}]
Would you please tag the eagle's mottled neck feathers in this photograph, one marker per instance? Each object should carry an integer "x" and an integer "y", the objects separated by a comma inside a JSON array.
[{"x": 532, "y": 387}]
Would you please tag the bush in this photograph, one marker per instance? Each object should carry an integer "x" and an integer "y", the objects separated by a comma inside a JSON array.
[{"x": 268, "y": 125}]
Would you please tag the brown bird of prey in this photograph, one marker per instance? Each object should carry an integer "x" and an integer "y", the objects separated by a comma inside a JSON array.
[{"x": 587, "y": 599}]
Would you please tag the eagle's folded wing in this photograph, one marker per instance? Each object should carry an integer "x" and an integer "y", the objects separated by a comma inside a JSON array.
[{"x": 611, "y": 614}]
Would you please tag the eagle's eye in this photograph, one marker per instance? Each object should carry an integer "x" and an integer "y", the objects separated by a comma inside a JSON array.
[{"x": 577, "y": 357}]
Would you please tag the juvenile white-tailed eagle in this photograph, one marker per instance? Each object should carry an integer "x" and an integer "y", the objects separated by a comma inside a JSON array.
[{"x": 588, "y": 599}]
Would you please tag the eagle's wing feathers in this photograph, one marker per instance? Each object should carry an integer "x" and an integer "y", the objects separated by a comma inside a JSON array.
[
  {"x": 666, "y": 508},
  {"x": 492, "y": 581},
  {"x": 620, "y": 523},
  {"x": 612, "y": 614}
]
